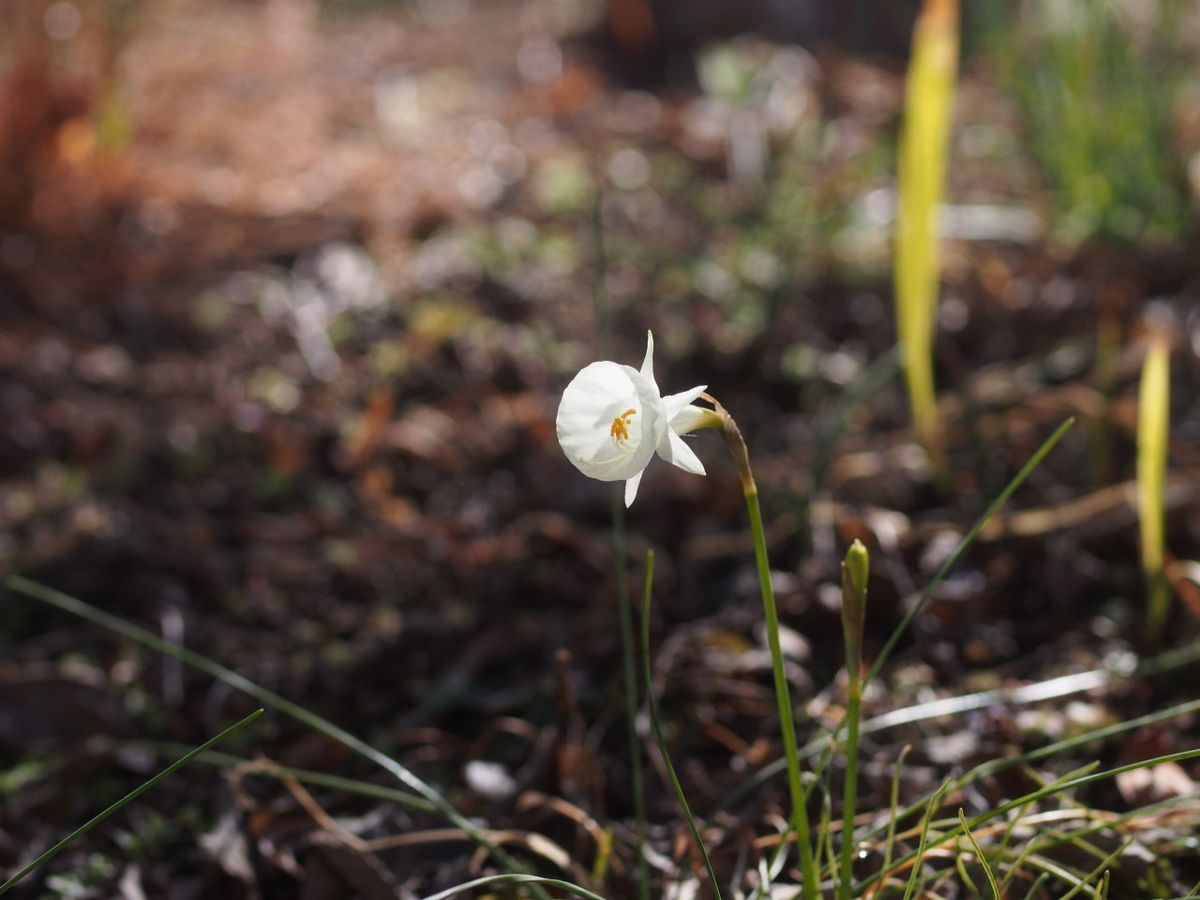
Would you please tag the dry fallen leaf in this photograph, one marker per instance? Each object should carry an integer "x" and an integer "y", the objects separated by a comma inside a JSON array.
[{"x": 1161, "y": 782}]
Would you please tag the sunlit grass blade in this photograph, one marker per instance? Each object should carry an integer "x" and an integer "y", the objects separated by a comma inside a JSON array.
[
  {"x": 1015, "y": 867},
  {"x": 1056, "y": 870},
  {"x": 1041, "y": 793},
  {"x": 1100, "y": 872},
  {"x": 921, "y": 163},
  {"x": 515, "y": 878},
  {"x": 1195, "y": 891},
  {"x": 825, "y": 848},
  {"x": 1037, "y": 885},
  {"x": 78, "y": 607},
  {"x": 128, "y": 798},
  {"x": 656, "y": 727},
  {"x": 1153, "y": 428},
  {"x": 893, "y": 806},
  {"x": 934, "y": 802},
  {"x": 995, "y": 766},
  {"x": 987, "y": 870},
  {"x": 266, "y": 769}
]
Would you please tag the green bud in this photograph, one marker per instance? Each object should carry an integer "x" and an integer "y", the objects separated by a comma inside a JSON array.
[{"x": 855, "y": 568}]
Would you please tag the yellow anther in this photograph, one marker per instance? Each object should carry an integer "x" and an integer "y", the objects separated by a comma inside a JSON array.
[{"x": 620, "y": 426}]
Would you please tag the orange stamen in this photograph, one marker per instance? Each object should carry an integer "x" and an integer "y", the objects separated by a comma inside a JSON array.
[{"x": 620, "y": 426}]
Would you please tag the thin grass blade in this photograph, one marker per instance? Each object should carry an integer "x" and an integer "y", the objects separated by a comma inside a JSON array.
[
  {"x": 656, "y": 727},
  {"x": 1041, "y": 793},
  {"x": 987, "y": 869},
  {"x": 135, "y": 633},
  {"x": 934, "y": 802},
  {"x": 127, "y": 799},
  {"x": 514, "y": 878}
]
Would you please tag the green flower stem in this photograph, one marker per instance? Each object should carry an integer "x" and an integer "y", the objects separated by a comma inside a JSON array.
[
  {"x": 787, "y": 722},
  {"x": 855, "y": 570},
  {"x": 850, "y": 787}
]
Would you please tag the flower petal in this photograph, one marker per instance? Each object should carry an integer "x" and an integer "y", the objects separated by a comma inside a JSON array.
[
  {"x": 653, "y": 423},
  {"x": 631, "y": 488},
  {"x": 676, "y": 403},
  {"x": 690, "y": 418},
  {"x": 683, "y": 456},
  {"x": 600, "y": 392},
  {"x": 648, "y": 360}
]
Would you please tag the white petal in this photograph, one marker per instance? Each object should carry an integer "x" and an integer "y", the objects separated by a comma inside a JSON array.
[
  {"x": 690, "y": 418},
  {"x": 653, "y": 424},
  {"x": 683, "y": 456},
  {"x": 597, "y": 387},
  {"x": 676, "y": 403},
  {"x": 599, "y": 392},
  {"x": 631, "y": 488},
  {"x": 648, "y": 361},
  {"x": 596, "y": 396}
]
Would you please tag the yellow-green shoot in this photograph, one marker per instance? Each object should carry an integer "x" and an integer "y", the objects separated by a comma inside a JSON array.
[
  {"x": 921, "y": 163},
  {"x": 1153, "y": 429}
]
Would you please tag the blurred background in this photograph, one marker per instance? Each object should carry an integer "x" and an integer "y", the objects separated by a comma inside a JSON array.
[{"x": 289, "y": 291}]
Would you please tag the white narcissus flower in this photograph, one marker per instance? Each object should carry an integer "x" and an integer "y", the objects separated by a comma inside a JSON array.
[{"x": 613, "y": 419}]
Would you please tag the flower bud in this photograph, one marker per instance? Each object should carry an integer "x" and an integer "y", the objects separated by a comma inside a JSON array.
[{"x": 855, "y": 569}]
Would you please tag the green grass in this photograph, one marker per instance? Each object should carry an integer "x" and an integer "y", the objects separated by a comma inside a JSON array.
[{"x": 1097, "y": 97}]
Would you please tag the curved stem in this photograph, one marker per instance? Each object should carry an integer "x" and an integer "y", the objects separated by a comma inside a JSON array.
[{"x": 787, "y": 721}]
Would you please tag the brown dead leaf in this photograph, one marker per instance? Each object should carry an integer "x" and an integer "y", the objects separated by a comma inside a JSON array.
[{"x": 1161, "y": 782}]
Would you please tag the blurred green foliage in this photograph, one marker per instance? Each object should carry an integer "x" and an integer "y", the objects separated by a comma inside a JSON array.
[{"x": 1097, "y": 87}]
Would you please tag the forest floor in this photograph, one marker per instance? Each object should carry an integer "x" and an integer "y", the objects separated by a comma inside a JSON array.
[{"x": 278, "y": 377}]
